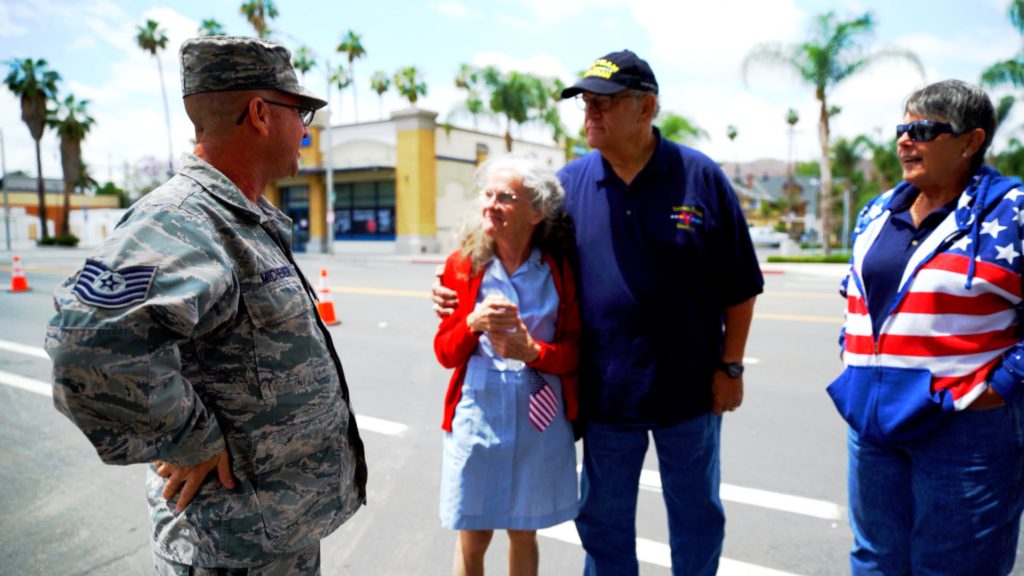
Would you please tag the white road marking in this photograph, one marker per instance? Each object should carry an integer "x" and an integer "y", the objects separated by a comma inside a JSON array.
[
  {"x": 659, "y": 554},
  {"x": 386, "y": 427},
  {"x": 28, "y": 384},
  {"x": 369, "y": 423},
  {"x": 651, "y": 480},
  {"x": 34, "y": 351}
]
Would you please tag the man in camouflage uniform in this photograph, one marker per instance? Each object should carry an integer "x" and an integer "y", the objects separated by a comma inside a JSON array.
[{"x": 190, "y": 339}]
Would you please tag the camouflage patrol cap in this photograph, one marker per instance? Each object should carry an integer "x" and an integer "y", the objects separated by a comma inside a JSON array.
[{"x": 230, "y": 63}]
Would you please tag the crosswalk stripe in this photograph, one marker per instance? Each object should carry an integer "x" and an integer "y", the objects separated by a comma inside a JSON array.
[
  {"x": 651, "y": 552},
  {"x": 369, "y": 423},
  {"x": 651, "y": 480},
  {"x": 28, "y": 384},
  {"x": 380, "y": 426},
  {"x": 34, "y": 351}
]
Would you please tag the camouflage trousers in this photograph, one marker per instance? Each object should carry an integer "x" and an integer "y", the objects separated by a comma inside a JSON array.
[{"x": 304, "y": 562}]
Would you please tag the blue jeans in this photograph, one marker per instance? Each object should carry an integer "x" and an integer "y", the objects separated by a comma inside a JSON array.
[
  {"x": 949, "y": 503},
  {"x": 688, "y": 460}
]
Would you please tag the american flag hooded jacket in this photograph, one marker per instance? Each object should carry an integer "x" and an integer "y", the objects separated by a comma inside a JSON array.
[{"x": 954, "y": 327}]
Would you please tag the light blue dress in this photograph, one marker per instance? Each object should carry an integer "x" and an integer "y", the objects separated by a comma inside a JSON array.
[{"x": 498, "y": 471}]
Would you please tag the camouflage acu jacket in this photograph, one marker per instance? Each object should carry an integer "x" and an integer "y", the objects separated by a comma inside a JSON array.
[{"x": 190, "y": 329}]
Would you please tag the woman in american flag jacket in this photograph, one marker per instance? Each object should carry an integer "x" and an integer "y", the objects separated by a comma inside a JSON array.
[{"x": 934, "y": 362}]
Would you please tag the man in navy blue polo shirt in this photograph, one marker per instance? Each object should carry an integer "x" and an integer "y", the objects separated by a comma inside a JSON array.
[{"x": 668, "y": 277}]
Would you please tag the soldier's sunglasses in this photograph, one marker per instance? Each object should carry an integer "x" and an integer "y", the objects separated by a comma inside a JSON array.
[
  {"x": 924, "y": 130},
  {"x": 305, "y": 114}
]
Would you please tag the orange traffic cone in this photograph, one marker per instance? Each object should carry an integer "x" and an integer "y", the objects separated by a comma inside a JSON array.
[
  {"x": 325, "y": 307},
  {"x": 18, "y": 281}
]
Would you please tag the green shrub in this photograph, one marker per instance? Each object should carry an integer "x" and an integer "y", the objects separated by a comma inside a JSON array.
[
  {"x": 834, "y": 258},
  {"x": 62, "y": 240}
]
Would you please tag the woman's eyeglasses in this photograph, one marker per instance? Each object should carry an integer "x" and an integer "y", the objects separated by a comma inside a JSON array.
[
  {"x": 501, "y": 197},
  {"x": 924, "y": 130},
  {"x": 305, "y": 114}
]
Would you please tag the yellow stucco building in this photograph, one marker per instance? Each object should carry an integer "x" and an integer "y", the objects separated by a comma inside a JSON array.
[{"x": 400, "y": 185}]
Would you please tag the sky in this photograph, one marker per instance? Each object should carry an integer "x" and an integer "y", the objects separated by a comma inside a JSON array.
[{"x": 695, "y": 49}]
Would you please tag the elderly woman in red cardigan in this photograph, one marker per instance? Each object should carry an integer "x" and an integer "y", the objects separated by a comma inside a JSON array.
[{"x": 509, "y": 458}]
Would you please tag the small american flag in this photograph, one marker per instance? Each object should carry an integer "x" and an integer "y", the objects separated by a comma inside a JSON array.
[{"x": 543, "y": 402}]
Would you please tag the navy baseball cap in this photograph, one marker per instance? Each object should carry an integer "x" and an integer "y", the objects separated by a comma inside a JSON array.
[{"x": 614, "y": 73}]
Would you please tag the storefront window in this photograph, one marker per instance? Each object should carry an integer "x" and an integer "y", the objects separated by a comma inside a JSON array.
[{"x": 364, "y": 211}]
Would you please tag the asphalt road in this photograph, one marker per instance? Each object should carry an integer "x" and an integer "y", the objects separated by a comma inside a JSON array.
[{"x": 64, "y": 512}]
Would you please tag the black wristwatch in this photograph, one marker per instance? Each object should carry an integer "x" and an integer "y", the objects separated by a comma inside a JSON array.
[{"x": 732, "y": 369}]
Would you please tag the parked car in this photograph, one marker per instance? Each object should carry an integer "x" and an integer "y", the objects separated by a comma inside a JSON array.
[{"x": 765, "y": 236}]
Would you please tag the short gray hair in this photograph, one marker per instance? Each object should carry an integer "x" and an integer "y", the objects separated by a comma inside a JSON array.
[
  {"x": 964, "y": 106},
  {"x": 545, "y": 193},
  {"x": 638, "y": 94}
]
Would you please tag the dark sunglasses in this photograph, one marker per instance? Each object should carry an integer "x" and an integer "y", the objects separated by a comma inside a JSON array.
[
  {"x": 305, "y": 114},
  {"x": 925, "y": 130}
]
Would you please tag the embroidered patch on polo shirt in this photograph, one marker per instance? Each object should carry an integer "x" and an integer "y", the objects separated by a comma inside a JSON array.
[
  {"x": 101, "y": 286},
  {"x": 687, "y": 217}
]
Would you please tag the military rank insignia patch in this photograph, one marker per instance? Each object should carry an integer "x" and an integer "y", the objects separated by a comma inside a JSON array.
[{"x": 100, "y": 286}]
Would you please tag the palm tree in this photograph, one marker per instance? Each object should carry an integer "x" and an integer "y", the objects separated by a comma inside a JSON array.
[
  {"x": 211, "y": 27},
  {"x": 468, "y": 79},
  {"x": 1008, "y": 71},
  {"x": 303, "y": 60},
  {"x": 410, "y": 84},
  {"x": 831, "y": 55},
  {"x": 152, "y": 39},
  {"x": 380, "y": 83},
  {"x": 259, "y": 13},
  {"x": 884, "y": 159},
  {"x": 792, "y": 117},
  {"x": 72, "y": 122},
  {"x": 340, "y": 77},
  {"x": 680, "y": 129},
  {"x": 521, "y": 98},
  {"x": 35, "y": 84},
  {"x": 731, "y": 132},
  {"x": 352, "y": 47}
]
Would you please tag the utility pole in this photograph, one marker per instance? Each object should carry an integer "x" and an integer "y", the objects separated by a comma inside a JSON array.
[
  {"x": 7, "y": 206},
  {"x": 329, "y": 168}
]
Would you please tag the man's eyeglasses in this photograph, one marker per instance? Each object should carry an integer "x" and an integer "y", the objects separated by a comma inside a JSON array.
[
  {"x": 599, "y": 102},
  {"x": 502, "y": 197},
  {"x": 924, "y": 130},
  {"x": 305, "y": 114}
]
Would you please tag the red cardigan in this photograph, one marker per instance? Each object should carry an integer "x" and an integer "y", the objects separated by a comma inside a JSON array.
[{"x": 455, "y": 343}]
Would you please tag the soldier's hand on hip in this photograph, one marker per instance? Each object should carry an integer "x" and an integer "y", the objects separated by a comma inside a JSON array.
[{"x": 188, "y": 479}]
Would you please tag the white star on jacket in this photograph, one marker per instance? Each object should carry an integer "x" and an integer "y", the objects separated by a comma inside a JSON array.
[
  {"x": 1012, "y": 195},
  {"x": 992, "y": 228},
  {"x": 962, "y": 244},
  {"x": 1007, "y": 253}
]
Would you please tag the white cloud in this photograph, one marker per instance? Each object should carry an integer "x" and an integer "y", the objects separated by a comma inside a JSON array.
[
  {"x": 549, "y": 12},
  {"x": 8, "y": 26},
  {"x": 712, "y": 38},
  {"x": 544, "y": 65},
  {"x": 455, "y": 9}
]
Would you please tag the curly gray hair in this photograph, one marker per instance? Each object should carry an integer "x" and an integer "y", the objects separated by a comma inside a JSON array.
[{"x": 554, "y": 234}]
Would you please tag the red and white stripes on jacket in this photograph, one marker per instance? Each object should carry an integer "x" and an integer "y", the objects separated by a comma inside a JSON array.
[{"x": 949, "y": 317}]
